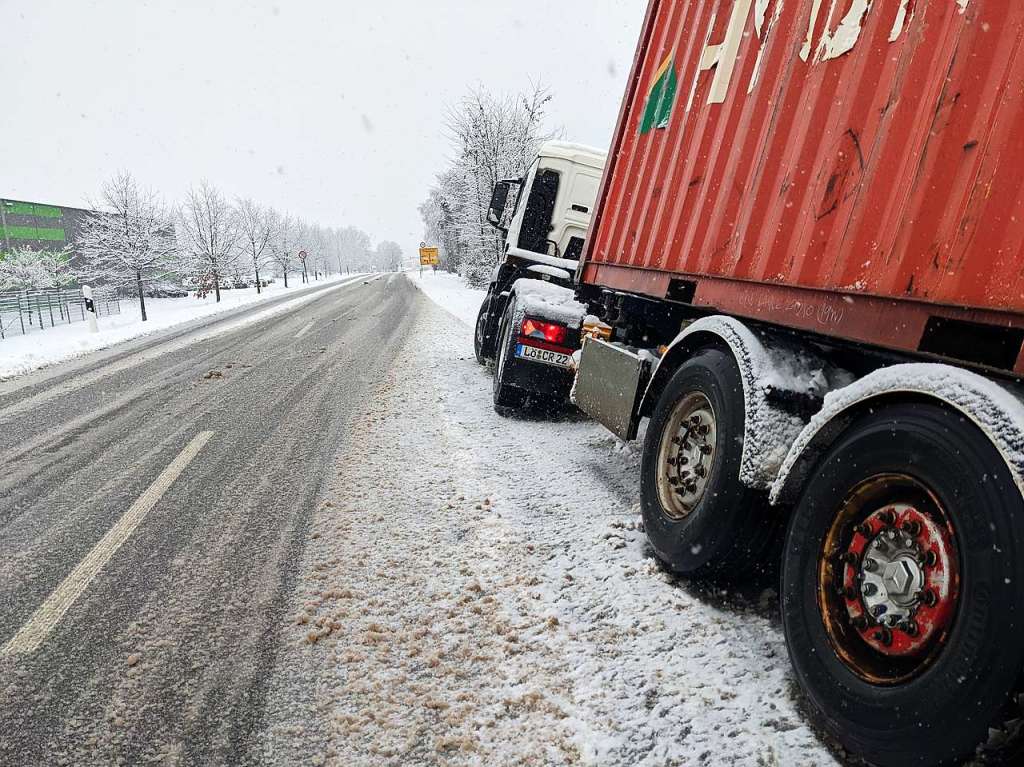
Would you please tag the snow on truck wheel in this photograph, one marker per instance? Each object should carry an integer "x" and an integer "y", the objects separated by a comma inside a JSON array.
[
  {"x": 506, "y": 396},
  {"x": 700, "y": 519},
  {"x": 480, "y": 349},
  {"x": 901, "y": 601}
]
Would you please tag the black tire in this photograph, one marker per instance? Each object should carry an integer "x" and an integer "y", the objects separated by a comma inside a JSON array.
[
  {"x": 729, "y": 533},
  {"x": 479, "y": 347},
  {"x": 939, "y": 712},
  {"x": 506, "y": 397}
]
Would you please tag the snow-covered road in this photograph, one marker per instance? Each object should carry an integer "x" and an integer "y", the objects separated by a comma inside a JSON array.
[{"x": 477, "y": 590}]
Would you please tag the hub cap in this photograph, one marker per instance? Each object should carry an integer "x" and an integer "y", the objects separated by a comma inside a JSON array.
[
  {"x": 687, "y": 455},
  {"x": 889, "y": 580}
]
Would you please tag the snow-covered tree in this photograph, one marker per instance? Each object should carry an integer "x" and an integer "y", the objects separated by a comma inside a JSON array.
[
  {"x": 282, "y": 246},
  {"x": 389, "y": 256},
  {"x": 353, "y": 246},
  {"x": 210, "y": 236},
  {"x": 129, "y": 240},
  {"x": 256, "y": 231},
  {"x": 494, "y": 138}
]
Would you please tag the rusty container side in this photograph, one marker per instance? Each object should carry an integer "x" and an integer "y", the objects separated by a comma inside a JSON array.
[{"x": 870, "y": 150}]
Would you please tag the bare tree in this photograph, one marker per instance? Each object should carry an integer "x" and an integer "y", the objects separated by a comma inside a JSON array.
[
  {"x": 282, "y": 244},
  {"x": 129, "y": 241},
  {"x": 210, "y": 231},
  {"x": 256, "y": 230}
]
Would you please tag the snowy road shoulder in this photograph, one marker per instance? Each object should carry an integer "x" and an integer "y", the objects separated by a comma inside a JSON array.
[
  {"x": 450, "y": 292},
  {"x": 477, "y": 590}
]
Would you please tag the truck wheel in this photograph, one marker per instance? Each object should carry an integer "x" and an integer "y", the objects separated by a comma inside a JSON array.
[
  {"x": 506, "y": 396},
  {"x": 481, "y": 330},
  {"x": 700, "y": 520},
  {"x": 902, "y": 598}
]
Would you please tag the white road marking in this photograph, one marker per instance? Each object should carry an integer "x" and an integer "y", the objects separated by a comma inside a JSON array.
[
  {"x": 43, "y": 621},
  {"x": 305, "y": 330}
]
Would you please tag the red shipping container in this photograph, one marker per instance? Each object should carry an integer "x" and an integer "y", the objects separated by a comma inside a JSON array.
[{"x": 848, "y": 167}]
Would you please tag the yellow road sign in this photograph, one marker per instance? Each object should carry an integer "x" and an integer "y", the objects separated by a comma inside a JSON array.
[{"x": 429, "y": 257}]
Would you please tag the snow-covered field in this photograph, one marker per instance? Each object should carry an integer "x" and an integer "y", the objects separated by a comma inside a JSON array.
[
  {"x": 23, "y": 353},
  {"x": 477, "y": 590}
]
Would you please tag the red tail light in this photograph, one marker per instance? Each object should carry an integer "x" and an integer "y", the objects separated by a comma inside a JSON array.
[{"x": 544, "y": 331}]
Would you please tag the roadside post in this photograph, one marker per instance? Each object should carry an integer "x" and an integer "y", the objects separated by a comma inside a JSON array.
[
  {"x": 90, "y": 309},
  {"x": 428, "y": 257}
]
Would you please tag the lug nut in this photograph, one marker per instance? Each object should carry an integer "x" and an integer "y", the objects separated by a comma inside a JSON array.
[
  {"x": 863, "y": 529},
  {"x": 703, "y": 430},
  {"x": 695, "y": 419},
  {"x": 931, "y": 559},
  {"x": 869, "y": 589},
  {"x": 878, "y": 610},
  {"x": 884, "y": 636},
  {"x": 912, "y": 528},
  {"x": 691, "y": 486},
  {"x": 909, "y": 627},
  {"x": 860, "y": 623},
  {"x": 706, "y": 449},
  {"x": 700, "y": 471},
  {"x": 930, "y": 598},
  {"x": 870, "y": 565},
  {"x": 888, "y": 516}
]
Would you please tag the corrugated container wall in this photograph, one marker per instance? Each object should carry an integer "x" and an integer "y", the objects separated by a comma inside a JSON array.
[{"x": 866, "y": 148}]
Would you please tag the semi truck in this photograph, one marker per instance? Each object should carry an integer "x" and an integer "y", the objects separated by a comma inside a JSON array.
[
  {"x": 808, "y": 246},
  {"x": 529, "y": 323}
]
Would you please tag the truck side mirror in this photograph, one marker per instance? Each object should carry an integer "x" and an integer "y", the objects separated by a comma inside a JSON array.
[
  {"x": 499, "y": 198},
  {"x": 499, "y": 203}
]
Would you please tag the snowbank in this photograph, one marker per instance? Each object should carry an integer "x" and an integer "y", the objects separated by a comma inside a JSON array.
[
  {"x": 23, "y": 353},
  {"x": 451, "y": 293}
]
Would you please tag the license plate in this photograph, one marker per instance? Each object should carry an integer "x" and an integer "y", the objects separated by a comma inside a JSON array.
[{"x": 534, "y": 354}]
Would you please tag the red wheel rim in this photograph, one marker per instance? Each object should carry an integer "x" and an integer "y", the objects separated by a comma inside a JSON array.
[{"x": 889, "y": 579}]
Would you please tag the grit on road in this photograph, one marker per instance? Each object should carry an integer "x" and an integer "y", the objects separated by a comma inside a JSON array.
[{"x": 311, "y": 540}]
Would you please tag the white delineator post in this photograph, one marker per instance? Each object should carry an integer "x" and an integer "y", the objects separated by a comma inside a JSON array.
[{"x": 90, "y": 309}]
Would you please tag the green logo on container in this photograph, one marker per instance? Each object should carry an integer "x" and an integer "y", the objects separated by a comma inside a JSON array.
[{"x": 661, "y": 96}]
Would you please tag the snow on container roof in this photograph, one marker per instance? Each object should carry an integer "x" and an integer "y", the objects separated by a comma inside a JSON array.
[{"x": 577, "y": 153}]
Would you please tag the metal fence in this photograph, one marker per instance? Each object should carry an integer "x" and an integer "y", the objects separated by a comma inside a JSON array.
[{"x": 25, "y": 310}]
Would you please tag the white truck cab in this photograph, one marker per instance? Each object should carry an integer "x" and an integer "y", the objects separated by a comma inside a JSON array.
[
  {"x": 553, "y": 203},
  {"x": 528, "y": 324}
]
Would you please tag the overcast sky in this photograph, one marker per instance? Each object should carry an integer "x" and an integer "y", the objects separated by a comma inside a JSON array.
[{"x": 330, "y": 110}]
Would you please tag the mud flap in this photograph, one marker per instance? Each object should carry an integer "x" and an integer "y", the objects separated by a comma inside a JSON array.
[{"x": 609, "y": 383}]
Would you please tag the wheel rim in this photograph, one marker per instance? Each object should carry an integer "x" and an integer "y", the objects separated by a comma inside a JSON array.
[
  {"x": 686, "y": 455},
  {"x": 889, "y": 579}
]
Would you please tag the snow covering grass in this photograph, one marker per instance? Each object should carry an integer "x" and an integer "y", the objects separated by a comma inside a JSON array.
[
  {"x": 478, "y": 590},
  {"x": 451, "y": 293},
  {"x": 23, "y": 353}
]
